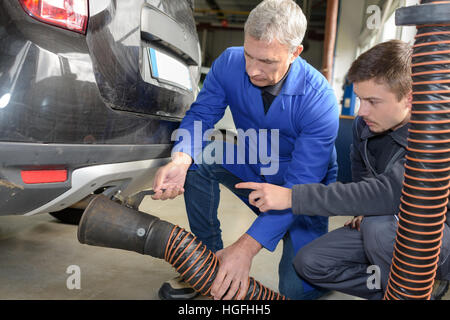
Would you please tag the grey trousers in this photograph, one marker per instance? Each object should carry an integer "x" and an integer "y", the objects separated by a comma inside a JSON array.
[{"x": 344, "y": 259}]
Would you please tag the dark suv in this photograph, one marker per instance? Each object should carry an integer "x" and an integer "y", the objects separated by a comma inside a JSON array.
[{"x": 90, "y": 93}]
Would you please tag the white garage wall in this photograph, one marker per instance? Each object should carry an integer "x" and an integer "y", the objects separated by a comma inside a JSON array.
[
  {"x": 349, "y": 28},
  {"x": 354, "y": 37}
]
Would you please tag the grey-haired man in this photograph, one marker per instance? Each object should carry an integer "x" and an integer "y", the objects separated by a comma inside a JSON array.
[{"x": 268, "y": 87}]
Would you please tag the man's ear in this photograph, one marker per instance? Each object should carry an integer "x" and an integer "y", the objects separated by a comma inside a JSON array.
[
  {"x": 409, "y": 100},
  {"x": 296, "y": 53}
]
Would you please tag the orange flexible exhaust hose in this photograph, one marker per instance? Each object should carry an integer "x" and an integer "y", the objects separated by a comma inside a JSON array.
[
  {"x": 183, "y": 252},
  {"x": 425, "y": 193},
  {"x": 108, "y": 224}
]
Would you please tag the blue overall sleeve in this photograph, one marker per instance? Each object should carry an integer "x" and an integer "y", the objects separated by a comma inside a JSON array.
[{"x": 204, "y": 113}]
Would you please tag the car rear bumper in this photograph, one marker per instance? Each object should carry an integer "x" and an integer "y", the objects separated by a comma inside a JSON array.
[
  {"x": 86, "y": 180},
  {"x": 89, "y": 168}
]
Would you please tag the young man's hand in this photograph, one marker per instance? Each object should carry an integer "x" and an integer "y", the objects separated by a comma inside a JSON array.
[
  {"x": 169, "y": 180},
  {"x": 234, "y": 269},
  {"x": 355, "y": 222},
  {"x": 267, "y": 196}
]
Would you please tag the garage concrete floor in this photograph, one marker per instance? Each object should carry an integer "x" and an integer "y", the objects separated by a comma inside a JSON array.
[{"x": 37, "y": 252}]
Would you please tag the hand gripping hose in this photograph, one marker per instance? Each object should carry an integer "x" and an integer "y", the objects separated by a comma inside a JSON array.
[
  {"x": 425, "y": 192},
  {"x": 106, "y": 223}
]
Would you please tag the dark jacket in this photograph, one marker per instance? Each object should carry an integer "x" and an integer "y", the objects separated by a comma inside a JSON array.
[{"x": 374, "y": 191}]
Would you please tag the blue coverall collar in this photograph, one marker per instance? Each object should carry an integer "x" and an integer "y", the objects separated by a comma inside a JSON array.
[{"x": 296, "y": 79}]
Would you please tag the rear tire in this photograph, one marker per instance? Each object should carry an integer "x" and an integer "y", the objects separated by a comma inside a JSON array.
[{"x": 68, "y": 215}]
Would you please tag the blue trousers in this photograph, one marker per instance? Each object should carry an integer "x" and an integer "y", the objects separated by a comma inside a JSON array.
[{"x": 202, "y": 196}]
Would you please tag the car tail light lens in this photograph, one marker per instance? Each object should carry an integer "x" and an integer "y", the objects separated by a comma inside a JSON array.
[
  {"x": 67, "y": 14},
  {"x": 43, "y": 176}
]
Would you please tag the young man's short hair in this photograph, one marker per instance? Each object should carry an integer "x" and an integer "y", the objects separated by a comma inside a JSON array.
[{"x": 388, "y": 63}]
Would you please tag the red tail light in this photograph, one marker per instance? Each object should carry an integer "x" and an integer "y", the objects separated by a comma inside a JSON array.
[
  {"x": 43, "y": 176},
  {"x": 67, "y": 14}
]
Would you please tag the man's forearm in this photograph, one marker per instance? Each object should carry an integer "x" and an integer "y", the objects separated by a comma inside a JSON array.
[
  {"x": 375, "y": 196},
  {"x": 181, "y": 158},
  {"x": 249, "y": 244}
]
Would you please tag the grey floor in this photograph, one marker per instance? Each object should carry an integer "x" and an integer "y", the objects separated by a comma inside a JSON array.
[{"x": 38, "y": 252}]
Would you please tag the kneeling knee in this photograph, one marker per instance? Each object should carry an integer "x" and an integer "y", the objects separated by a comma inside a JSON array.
[
  {"x": 378, "y": 234},
  {"x": 306, "y": 264}
]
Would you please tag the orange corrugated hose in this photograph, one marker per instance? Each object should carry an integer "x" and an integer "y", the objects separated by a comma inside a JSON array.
[
  {"x": 106, "y": 223},
  {"x": 198, "y": 266},
  {"x": 425, "y": 192}
]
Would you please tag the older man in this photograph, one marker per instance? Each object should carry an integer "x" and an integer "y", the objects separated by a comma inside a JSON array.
[{"x": 269, "y": 89}]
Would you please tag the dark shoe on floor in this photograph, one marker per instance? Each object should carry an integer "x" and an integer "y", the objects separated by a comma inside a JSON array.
[
  {"x": 440, "y": 288},
  {"x": 176, "y": 289}
]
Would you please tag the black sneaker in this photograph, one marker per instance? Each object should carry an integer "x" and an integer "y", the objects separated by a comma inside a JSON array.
[
  {"x": 176, "y": 289},
  {"x": 440, "y": 288}
]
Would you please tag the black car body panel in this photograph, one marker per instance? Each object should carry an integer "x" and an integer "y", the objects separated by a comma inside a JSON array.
[
  {"x": 72, "y": 101},
  {"x": 121, "y": 61}
]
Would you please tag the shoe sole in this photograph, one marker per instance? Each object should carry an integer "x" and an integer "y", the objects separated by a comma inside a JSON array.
[{"x": 164, "y": 294}]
